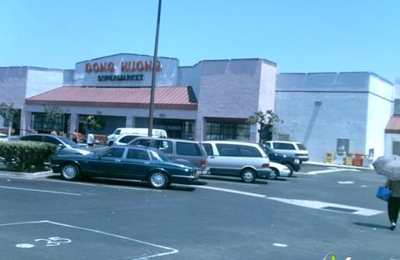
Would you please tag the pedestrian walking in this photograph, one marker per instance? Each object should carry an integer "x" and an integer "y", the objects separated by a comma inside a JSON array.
[
  {"x": 74, "y": 136},
  {"x": 90, "y": 140},
  {"x": 393, "y": 205},
  {"x": 389, "y": 166}
]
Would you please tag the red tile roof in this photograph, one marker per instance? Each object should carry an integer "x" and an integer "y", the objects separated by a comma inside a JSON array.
[
  {"x": 164, "y": 97},
  {"x": 393, "y": 126}
]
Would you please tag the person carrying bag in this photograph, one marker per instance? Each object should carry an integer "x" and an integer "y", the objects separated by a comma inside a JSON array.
[{"x": 393, "y": 202}]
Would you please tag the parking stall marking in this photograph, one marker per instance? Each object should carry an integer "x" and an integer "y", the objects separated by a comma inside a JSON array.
[
  {"x": 327, "y": 171},
  {"x": 44, "y": 191},
  {"x": 35, "y": 239},
  {"x": 313, "y": 204}
]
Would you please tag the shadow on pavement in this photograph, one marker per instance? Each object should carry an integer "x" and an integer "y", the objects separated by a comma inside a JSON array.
[
  {"x": 371, "y": 225},
  {"x": 125, "y": 183}
]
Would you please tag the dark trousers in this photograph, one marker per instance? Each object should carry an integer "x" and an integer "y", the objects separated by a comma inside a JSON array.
[{"x": 393, "y": 208}]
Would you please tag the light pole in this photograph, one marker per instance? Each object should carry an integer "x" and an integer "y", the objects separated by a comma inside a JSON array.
[{"x": 154, "y": 76}]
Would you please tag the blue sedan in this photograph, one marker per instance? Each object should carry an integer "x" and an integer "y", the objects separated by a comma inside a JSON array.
[{"x": 125, "y": 162}]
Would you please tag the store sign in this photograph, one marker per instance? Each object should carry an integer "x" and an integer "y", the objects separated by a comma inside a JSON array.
[{"x": 126, "y": 66}]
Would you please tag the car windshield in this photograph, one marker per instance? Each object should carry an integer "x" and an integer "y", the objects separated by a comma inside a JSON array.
[
  {"x": 268, "y": 149},
  {"x": 69, "y": 142},
  {"x": 301, "y": 146}
]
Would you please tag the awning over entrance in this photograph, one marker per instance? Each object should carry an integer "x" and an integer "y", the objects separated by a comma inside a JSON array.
[
  {"x": 393, "y": 126},
  {"x": 164, "y": 98}
]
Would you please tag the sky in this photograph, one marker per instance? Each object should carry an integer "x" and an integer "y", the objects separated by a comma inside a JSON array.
[{"x": 298, "y": 35}]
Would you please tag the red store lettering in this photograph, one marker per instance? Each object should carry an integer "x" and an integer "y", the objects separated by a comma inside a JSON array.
[
  {"x": 132, "y": 66},
  {"x": 100, "y": 67}
]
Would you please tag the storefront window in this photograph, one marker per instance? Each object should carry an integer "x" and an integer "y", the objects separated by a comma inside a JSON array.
[
  {"x": 227, "y": 131},
  {"x": 41, "y": 124}
]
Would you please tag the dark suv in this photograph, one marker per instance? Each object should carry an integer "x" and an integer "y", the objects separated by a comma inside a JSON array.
[
  {"x": 290, "y": 161},
  {"x": 182, "y": 151},
  {"x": 64, "y": 145}
]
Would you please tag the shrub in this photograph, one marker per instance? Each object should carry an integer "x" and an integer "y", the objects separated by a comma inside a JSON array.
[{"x": 26, "y": 155}]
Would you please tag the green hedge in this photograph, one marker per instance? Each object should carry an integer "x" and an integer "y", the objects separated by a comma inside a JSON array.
[{"x": 26, "y": 155}]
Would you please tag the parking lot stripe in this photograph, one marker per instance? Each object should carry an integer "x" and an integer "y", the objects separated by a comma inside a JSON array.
[
  {"x": 327, "y": 171},
  {"x": 45, "y": 191},
  {"x": 329, "y": 206},
  {"x": 314, "y": 204},
  {"x": 232, "y": 191}
]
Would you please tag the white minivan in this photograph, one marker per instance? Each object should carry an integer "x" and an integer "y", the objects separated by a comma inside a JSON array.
[
  {"x": 242, "y": 159},
  {"x": 138, "y": 131}
]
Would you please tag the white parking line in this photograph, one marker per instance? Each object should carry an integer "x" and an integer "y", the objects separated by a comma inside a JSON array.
[
  {"x": 314, "y": 204},
  {"x": 327, "y": 171},
  {"x": 231, "y": 191},
  {"x": 159, "y": 250},
  {"x": 45, "y": 191}
]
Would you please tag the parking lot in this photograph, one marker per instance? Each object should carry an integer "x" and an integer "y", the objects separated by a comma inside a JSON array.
[{"x": 320, "y": 210}]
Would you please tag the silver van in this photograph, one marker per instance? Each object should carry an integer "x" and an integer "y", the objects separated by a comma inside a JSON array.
[
  {"x": 242, "y": 159},
  {"x": 178, "y": 150}
]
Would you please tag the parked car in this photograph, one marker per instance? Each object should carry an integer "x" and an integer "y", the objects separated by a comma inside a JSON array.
[
  {"x": 126, "y": 138},
  {"x": 64, "y": 145},
  {"x": 3, "y": 137},
  {"x": 232, "y": 158},
  {"x": 125, "y": 162},
  {"x": 279, "y": 169},
  {"x": 178, "y": 150},
  {"x": 290, "y": 148},
  {"x": 290, "y": 161}
]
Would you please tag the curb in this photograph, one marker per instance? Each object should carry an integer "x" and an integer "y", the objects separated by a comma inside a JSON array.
[
  {"x": 340, "y": 165},
  {"x": 27, "y": 175}
]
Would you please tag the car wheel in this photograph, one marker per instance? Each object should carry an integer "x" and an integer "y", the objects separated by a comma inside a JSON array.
[
  {"x": 248, "y": 175},
  {"x": 70, "y": 172},
  {"x": 273, "y": 175},
  {"x": 290, "y": 168},
  {"x": 158, "y": 180}
]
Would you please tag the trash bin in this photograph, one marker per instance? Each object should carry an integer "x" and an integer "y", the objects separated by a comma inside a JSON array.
[
  {"x": 358, "y": 161},
  {"x": 329, "y": 158},
  {"x": 349, "y": 161}
]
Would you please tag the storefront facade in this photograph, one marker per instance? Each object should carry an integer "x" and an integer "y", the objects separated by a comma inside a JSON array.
[{"x": 209, "y": 100}]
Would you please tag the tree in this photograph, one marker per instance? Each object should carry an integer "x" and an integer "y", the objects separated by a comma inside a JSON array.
[
  {"x": 266, "y": 121},
  {"x": 8, "y": 112},
  {"x": 96, "y": 122}
]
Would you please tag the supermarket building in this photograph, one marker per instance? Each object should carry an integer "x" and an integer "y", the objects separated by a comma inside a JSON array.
[{"x": 209, "y": 100}]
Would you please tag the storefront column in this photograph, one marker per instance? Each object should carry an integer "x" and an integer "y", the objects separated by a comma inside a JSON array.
[
  {"x": 130, "y": 121},
  {"x": 25, "y": 123},
  {"x": 73, "y": 123},
  {"x": 200, "y": 129}
]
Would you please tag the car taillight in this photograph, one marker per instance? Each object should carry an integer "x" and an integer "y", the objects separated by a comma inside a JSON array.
[
  {"x": 265, "y": 165},
  {"x": 203, "y": 162}
]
